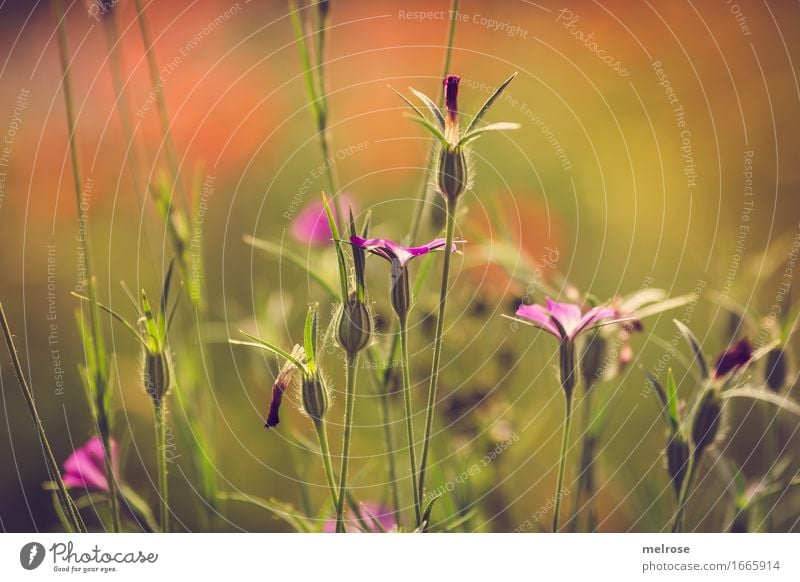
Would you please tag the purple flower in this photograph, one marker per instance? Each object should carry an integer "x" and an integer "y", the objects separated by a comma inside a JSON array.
[
  {"x": 735, "y": 357},
  {"x": 311, "y": 225},
  {"x": 564, "y": 320},
  {"x": 399, "y": 256},
  {"x": 370, "y": 513},
  {"x": 395, "y": 253},
  {"x": 451, "y": 101},
  {"x": 86, "y": 466}
]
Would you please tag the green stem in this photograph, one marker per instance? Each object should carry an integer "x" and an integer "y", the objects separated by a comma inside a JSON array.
[
  {"x": 349, "y": 404},
  {"x": 422, "y": 199},
  {"x": 450, "y": 208},
  {"x": 409, "y": 420},
  {"x": 111, "y": 478},
  {"x": 163, "y": 116},
  {"x": 678, "y": 521},
  {"x": 161, "y": 461},
  {"x": 585, "y": 460},
  {"x": 325, "y": 449},
  {"x": 562, "y": 461},
  {"x": 100, "y": 364},
  {"x": 388, "y": 436},
  {"x": 67, "y": 504}
]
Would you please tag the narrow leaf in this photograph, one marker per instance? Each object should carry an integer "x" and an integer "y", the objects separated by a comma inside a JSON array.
[
  {"x": 437, "y": 133},
  {"x": 492, "y": 98},
  {"x": 282, "y": 511},
  {"x": 702, "y": 363},
  {"x": 437, "y": 114},
  {"x": 499, "y": 126},
  {"x": 259, "y": 343}
]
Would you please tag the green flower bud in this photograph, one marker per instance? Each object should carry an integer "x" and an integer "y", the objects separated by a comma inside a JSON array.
[
  {"x": 707, "y": 420},
  {"x": 355, "y": 325},
  {"x": 156, "y": 374},
  {"x": 677, "y": 456},
  {"x": 776, "y": 369},
  {"x": 452, "y": 172},
  {"x": 315, "y": 395},
  {"x": 594, "y": 350}
]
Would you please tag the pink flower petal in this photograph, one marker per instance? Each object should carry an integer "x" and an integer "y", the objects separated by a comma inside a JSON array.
[
  {"x": 594, "y": 315},
  {"x": 567, "y": 314},
  {"x": 85, "y": 467},
  {"x": 539, "y": 316},
  {"x": 311, "y": 225}
]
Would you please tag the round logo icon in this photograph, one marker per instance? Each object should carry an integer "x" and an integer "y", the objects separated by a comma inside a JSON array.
[{"x": 31, "y": 555}]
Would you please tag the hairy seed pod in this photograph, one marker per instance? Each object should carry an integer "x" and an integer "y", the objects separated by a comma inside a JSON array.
[
  {"x": 400, "y": 293},
  {"x": 677, "y": 456},
  {"x": 156, "y": 374},
  {"x": 315, "y": 395},
  {"x": 354, "y": 330},
  {"x": 452, "y": 172},
  {"x": 707, "y": 420},
  {"x": 592, "y": 356},
  {"x": 776, "y": 369}
]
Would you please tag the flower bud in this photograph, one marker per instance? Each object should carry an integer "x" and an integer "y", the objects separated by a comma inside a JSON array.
[
  {"x": 315, "y": 395},
  {"x": 156, "y": 374},
  {"x": 452, "y": 172},
  {"x": 707, "y": 420},
  {"x": 400, "y": 293},
  {"x": 592, "y": 359},
  {"x": 355, "y": 325},
  {"x": 677, "y": 456},
  {"x": 776, "y": 369}
]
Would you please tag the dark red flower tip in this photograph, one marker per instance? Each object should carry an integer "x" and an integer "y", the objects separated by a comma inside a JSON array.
[
  {"x": 735, "y": 357},
  {"x": 274, "y": 406},
  {"x": 451, "y": 95}
]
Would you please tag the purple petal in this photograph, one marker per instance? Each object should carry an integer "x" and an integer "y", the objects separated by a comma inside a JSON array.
[
  {"x": 539, "y": 316},
  {"x": 594, "y": 315},
  {"x": 733, "y": 358},
  {"x": 311, "y": 225},
  {"x": 369, "y": 510},
  {"x": 391, "y": 251},
  {"x": 85, "y": 467},
  {"x": 567, "y": 314}
]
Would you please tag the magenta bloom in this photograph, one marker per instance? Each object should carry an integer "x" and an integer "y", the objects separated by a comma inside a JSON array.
[
  {"x": 565, "y": 320},
  {"x": 370, "y": 512},
  {"x": 311, "y": 225},
  {"x": 451, "y": 96},
  {"x": 734, "y": 358},
  {"x": 398, "y": 255},
  {"x": 86, "y": 466}
]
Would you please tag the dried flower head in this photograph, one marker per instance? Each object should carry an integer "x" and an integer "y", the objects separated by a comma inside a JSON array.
[{"x": 282, "y": 381}]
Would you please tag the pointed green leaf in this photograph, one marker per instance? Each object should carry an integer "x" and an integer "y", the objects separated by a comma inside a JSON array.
[
  {"x": 310, "y": 334},
  {"x": 339, "y": 251},
  {"x": 499, "y": 126},
  {"x": 284, "y": 511},
  {"x": 437, "y": 133},
  {"x": 265, "y": 345},
  {"x": 409, "y": 103},
  {"x": 492, "y": 98},
  {"x": 426, "y": 514},
  {"x": 699, "y": 357},
  {"x": 437, "y": 114},
  {"x": 672, "y": 399},
  {"x": 783, "y": 402}
]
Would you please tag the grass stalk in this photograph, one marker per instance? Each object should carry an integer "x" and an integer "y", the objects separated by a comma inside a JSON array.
[
  {"x": 351, "y": 372},
  {"x": 562, "y": 463},
  {"x": 409, "y": 420}
]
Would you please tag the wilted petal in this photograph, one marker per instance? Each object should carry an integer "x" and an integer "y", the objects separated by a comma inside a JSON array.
[{"x": 735, "y": 357}]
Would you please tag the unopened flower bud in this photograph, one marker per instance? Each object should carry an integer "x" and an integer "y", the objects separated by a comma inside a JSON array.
[
  {"x": 315, "y": 396},
  {"x": 452, "y": 172},
  {"x": 677, "y": 456},
  {"x": 156, "y": 374},
  {"x": 592, "y": 359},
  {"x": 776, "y": 369},
  {"x": 355, "y": 325},
  {"x": 282, "y": 382},
  {"x": 707, "y": 420}
]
